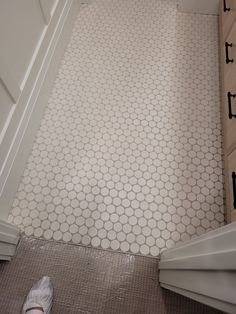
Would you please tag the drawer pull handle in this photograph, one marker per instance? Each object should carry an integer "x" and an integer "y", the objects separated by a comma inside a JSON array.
[
  {"x": 234, "y": 188},
  {"x": 225, "y": 7},
  {"x": 228, "y": 60},
  {"x": 231, "y": 115}
]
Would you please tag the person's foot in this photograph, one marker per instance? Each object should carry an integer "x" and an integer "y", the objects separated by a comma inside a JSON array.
[{"x": 39, "y": 299}]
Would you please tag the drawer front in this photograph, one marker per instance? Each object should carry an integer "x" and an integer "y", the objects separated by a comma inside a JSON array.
[
  {"x": 229, "y": 114},
  {"x": 231, "y": 185},
  {"x": 229, "y": 55},
  {"x": 228, "y": 13}
]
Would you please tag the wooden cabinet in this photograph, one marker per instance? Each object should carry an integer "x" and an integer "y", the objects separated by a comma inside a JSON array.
[
  {"x": 228, "y": 7},
  {"x": 231, "y": 184},
  {"x": 229, "y": 113},
  {"x": 228, "y": 74},
  {"x": 229, "y": 46}
]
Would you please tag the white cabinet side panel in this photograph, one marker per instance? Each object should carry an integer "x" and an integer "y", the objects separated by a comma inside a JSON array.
[
  {"x": 21, "y": 26},
  {"x": 18, "y": 136}
]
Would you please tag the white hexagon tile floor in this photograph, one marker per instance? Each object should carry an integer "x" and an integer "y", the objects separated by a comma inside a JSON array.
[{"x": 128, "y": 155}]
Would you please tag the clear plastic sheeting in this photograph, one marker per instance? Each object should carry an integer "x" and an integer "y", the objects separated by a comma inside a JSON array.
[{"x": 88, "y": 280}]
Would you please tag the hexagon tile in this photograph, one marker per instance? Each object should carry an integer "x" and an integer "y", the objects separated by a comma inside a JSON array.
[{"x": 128, "y": 155}]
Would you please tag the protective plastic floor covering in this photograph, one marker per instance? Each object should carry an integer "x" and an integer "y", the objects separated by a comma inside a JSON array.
[
  {"x": 128, "y": 154},
  {"x": 89, "y": 281}
]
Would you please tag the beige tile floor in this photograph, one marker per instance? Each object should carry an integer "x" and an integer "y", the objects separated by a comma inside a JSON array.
[{"x": 128, "y": 155}]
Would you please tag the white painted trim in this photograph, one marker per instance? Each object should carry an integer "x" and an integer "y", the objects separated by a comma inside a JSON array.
[
  {"x": 34, "y": 57},
  {"x": 217, "y": 240},
  {"x": 8, "y": 80},
  {"x": 7, "y": 122},
  {"x": 214, "y": 261},
  {"x": 45, "y": 11},
  {"x": 219, "y": 253},
  {"x": 54, "y": 7},
  {"x": 32, "y": 102},
  {"x": 9, "y": 237},
  {"x": 219, "y": 285},
  {"x": 204, "y": 268}
]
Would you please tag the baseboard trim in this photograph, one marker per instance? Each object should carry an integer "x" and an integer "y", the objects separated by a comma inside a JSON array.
[
  {"x": 35, "y": 96},
  {"x": 9, "y": 238}
]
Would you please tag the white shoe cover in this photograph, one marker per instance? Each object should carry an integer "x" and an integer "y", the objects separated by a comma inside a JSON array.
[{"x": 40, "y": 295}]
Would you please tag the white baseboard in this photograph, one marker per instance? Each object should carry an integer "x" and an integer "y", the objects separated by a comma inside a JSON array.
[
  {"x": 9, "y": 238},
  {"x": 33, "y": 100}
]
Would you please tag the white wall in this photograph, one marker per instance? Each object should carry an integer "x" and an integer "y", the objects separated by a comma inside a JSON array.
[
  {"x": 199, "y": 6},
  {"x": 30, "y": 31}
]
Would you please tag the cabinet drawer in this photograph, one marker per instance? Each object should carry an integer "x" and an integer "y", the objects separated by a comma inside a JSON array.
[
  {"x": 228, "y": 13},
  {"x": 229, "y": 55},
  {"x": 231, "y": 185},
  {"x": 229, "y": 114}
]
